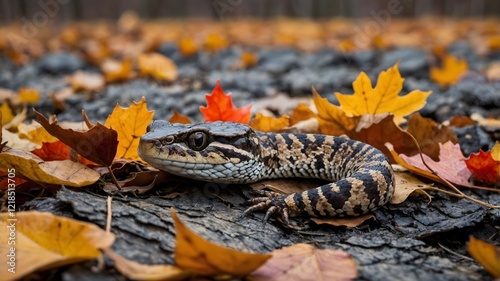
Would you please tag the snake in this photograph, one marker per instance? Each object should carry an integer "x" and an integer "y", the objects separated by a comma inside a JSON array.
[{"x": 359, "y": 176}]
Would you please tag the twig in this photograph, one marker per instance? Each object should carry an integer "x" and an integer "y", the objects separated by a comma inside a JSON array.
[
  {"x": 113, "y": 178},
  {"x": 109, "y": 214},
  {"x": 452, "y": 252},
  {"x": 459, "y": 193}
]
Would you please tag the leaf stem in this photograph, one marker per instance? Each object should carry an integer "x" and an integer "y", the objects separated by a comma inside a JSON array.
[{"x": 458, "y": 193}]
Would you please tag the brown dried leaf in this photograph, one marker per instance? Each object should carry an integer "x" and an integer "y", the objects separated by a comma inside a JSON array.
[
  {"x": 99, "y": 144},
  {"x": 407, "y": 184},
  {"x": 429, "y": 135}
]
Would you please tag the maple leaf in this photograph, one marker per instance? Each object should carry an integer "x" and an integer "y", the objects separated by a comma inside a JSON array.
[
  {"x": 450, "y": 72},
  {"x": 451, "y": 166},
  {"x": 86, "y": 81},
  {"x": 384, "y": 98},
  {"x": 130, "y": 124},
  {"x": 486, "y": 165},
  {"x": 332, "y": 119},
  {"x": 115, "y": 71},
  {"x": 44, "y": 240},
  {"x": 269, "y": 124},
  {"x": 220, "y": 107},
  {"x": 97, "y": 144},
  {"x": 196, "y": 254}
]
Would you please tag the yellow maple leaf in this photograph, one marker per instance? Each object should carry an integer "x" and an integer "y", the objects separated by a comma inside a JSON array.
[
  {"x": 384, "y": 98},
  {"x": 332, "y": 119},
  {"x": 486, "y": 254},
  {"x": 130, "y": 123},
  {"x": 450, "y": 72}
]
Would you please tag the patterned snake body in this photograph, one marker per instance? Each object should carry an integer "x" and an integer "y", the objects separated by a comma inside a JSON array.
[{"x": 361, "y": 176}]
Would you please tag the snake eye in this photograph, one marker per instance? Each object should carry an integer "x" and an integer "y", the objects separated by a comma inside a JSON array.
[
  {"x": 168, "y": 139},
  {"x": 197, "y": 140}
]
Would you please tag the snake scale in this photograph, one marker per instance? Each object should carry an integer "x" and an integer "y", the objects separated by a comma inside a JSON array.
[{"x": 224, "y": 152}]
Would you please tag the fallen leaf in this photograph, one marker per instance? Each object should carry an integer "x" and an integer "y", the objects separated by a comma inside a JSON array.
[
  {"x": 220, "y": 107},
  {"x": 7, "y": 114},
  {"x": 179, "y": 118},
  {"x": 407, "y": 184},
  {"x": 99, "y": 144},
  {"x": 428, "y": 135},
  {"x": 28, "y": 95},
  {"x": 59, "y": 151},
  {"x": 130, "y": 123},
  {"x": 347, "y": 222},
  {"x": 332, "y": 119},
  {"x": 305, "y": 262},
  {"x": 15, "y": 142},
  {"x": 64, "y": 172},
  {"x": 384, "y": 98},
  {"x": 493, "y": 71},
  {"x": 197, "y": 255},
  {"x": 379, "y": 129},
  {"x": 157, "y": 66},
  {"x": 248, "y": 59},
  {"x": 302, "y": 112},
  {"x": 486, "y": 165},
  {"x": 187, "y": 47},
  {"x": 136, "y": 271},
  {"x": 215, "y": 42},
  {"x": 450, "y": 72},
  {"x": 45, "y": 241},
  {"x": 460, "y": 121},
  {"x": 86, "y": 81},
  {"x": 488, "y": 255},
  {"x": 116, "y": 71},
  {"x": 451, "y": 166},
  {"x": 269, "y": 123}
]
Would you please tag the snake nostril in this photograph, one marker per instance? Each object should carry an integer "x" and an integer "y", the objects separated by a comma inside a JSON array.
[{"x": 157, "y": 143}]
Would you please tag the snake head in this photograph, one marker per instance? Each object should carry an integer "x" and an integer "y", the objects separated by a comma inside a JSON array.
[{"x": 222, "y": 152}]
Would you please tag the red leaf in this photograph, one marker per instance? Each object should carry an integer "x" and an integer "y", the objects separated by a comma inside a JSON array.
[
  {"x": 51, "y": 151},
  {"x": 484, "y": 166},
  {"x": 220, "y": 107}
]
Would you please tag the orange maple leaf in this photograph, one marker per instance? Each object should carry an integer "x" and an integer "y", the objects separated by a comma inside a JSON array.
[
  {"x": 486, "y": 165},
  {"x": 450, "y": 72},
  {"x": 220, "y": 107},
  {"x": 384, "y": 98}
]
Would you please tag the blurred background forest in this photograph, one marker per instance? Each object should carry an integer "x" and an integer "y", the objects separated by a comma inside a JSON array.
[{"x": 111, "y": 9}]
